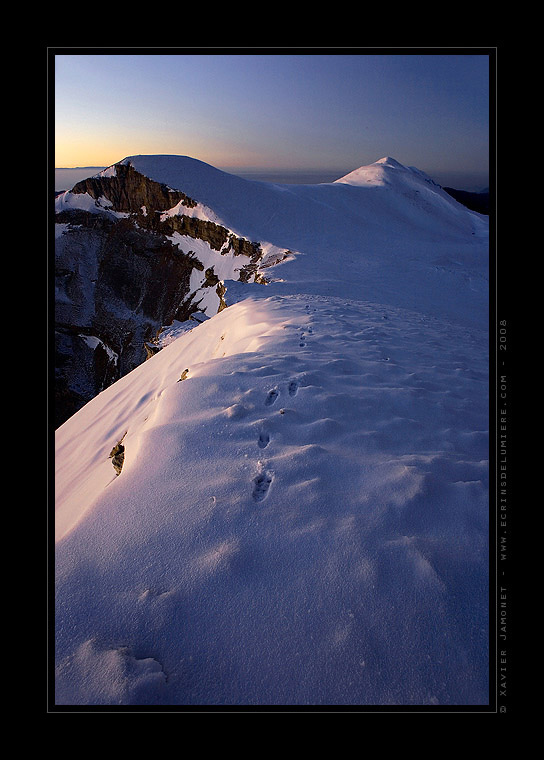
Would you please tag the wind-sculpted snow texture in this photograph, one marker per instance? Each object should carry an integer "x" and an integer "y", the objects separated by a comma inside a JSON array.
[{"x": 304, "y": 519}]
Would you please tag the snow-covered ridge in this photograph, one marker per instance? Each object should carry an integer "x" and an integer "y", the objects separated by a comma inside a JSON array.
[
  {"x": 301, "y": 520},
  {"x": 209, "y": 256},
  {"x": 252, "y": 208},
  {"x": 300, "y": 515},
  {"x": 131, "y": 255},
  {"x": 242, "y": 329}
]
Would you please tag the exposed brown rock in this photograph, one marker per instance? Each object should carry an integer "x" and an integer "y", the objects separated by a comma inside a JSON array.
[
  {"x": 117, "y": 456},
  {"x": 129, "y": 190}
]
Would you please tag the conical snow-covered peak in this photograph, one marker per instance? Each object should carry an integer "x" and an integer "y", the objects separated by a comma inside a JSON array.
[
  {"x": 375, "y": 174},
  {"x": 387, "y": 171}
]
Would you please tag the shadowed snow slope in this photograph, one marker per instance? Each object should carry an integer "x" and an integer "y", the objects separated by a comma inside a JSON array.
[{"x": 303, "y": 519}]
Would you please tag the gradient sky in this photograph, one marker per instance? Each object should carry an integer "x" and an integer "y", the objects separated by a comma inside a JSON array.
[{"x": 332, "y": 112}]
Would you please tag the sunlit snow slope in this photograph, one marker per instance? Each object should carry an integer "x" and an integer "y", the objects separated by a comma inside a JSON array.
[{"x": 303, "y": 519}]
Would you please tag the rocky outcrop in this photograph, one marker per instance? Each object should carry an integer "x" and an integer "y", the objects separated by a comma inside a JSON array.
[
  {"x": 116, "y": 285},
  {"x": 117, "y": 456},
  {"x": 124, "y": 268},
  {"x": 128, "y": 191}
]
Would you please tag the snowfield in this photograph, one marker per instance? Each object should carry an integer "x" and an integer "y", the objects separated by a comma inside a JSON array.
[{"x": 303, "y": 518}]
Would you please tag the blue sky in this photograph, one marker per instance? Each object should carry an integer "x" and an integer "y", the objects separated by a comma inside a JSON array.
[{"x": 287, "y": 112}]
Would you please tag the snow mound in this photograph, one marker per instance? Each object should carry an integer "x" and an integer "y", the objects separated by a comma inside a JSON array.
[{"x": 301, "y": 520}]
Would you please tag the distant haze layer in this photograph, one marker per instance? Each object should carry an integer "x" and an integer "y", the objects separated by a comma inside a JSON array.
[{"x": 66, "y": 178}]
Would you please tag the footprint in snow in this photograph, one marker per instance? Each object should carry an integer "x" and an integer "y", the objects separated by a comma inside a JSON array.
[
  {"x": 264, "y": 440},
  {"x": 271, "y": 397},
  {"x": 293, "y": 388},
  {"x": 261, "y": 484}
]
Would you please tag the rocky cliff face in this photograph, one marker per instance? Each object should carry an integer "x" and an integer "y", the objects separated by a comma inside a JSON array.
[{"x": 131, "y": 256}]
